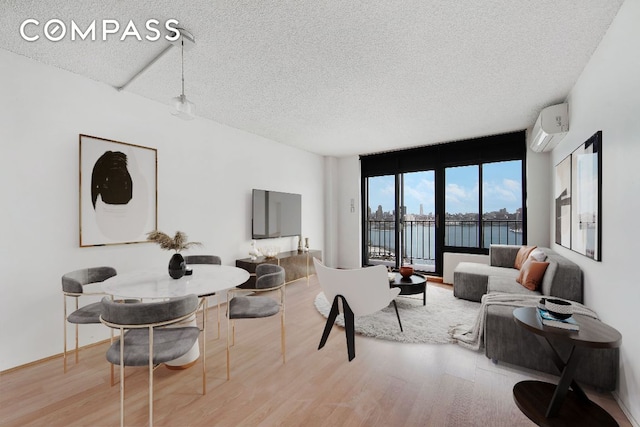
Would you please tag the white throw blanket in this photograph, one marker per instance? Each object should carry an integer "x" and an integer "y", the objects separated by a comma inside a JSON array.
[{"x": 472, "y": 336}]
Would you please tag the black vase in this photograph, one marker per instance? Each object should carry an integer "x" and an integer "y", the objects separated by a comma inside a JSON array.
[{"x": 177, "y": 266}]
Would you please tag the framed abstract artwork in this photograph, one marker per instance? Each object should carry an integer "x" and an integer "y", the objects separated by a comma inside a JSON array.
[
  {"x": 562, "y": 197},
  {"x": 586, "y": 199},
  {"x": 118, "y": 192}
]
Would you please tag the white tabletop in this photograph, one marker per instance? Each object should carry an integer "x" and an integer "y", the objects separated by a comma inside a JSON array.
[{"x": 206, "y": 279}]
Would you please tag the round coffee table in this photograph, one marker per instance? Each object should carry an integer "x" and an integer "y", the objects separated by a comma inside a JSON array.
[{"x": 416, "y": 284}]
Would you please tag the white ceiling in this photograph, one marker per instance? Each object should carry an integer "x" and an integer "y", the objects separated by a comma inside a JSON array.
[{"x": 338, "y": 77}]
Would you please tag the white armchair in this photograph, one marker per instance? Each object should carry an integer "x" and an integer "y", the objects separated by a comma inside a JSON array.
[{"x": 362, "y": 291}]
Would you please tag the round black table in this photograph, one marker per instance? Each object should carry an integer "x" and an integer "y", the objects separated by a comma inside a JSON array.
[
  {"x": 555, "y": 405},
  {"x": 416, "y": 284}
]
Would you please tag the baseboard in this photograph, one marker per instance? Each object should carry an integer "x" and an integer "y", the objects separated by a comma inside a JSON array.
[
  {"x": 625, "y": 410},
  {"x": 55, "y": 356},
  {"x": 48, "y": 358}
]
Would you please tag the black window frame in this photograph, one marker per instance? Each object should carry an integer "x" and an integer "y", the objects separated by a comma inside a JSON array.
[{"x": 477, "y": 151}]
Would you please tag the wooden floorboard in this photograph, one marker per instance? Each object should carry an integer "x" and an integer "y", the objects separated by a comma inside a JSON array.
[{"x": 387, "y": 384}]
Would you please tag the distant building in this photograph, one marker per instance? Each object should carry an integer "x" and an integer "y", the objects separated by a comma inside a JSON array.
[{"x": 379, "y": 213}]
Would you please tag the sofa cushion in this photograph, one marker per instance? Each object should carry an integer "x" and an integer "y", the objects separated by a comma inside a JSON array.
[
  {"x": 538, "y": 255},
  {"x": 523, "y": 254},
  {"x": 470, "y": 279},
  {"x": 531, "y": 274},
  {"x": 508, "y": 284},
  {"x": 503, "y": 255},
  {"x": 563, "y": 278}
]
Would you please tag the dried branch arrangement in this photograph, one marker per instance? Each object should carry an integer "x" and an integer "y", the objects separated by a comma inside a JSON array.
[{"x": 176, "y": 243}]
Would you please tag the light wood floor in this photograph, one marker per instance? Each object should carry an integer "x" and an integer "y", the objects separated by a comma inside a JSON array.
[{"x": 387, "y": 384}]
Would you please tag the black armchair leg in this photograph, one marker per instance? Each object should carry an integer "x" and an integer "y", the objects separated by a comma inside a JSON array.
[
  {"x": 349, "y": 326},
  {"x": 398, "y": 315},
  {"x": 330, "y": 321},
  {"x": 349, "y": 329}
]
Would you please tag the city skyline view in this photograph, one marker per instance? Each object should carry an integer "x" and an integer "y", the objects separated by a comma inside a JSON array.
[{"x": 502, "y": 189}]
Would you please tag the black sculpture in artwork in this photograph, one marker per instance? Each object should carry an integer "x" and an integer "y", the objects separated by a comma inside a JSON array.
[{"x": 111, "y": 179}]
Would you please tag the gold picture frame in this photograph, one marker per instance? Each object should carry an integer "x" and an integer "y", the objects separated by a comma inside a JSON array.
[{"x": 118, "y": 191}]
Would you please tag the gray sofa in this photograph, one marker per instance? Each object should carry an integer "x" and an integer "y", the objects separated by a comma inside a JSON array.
[
  {"x": 562, "y": 278},
  {"x": 508, "y": 342}
]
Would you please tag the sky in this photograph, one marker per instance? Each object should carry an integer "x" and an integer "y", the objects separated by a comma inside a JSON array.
[{"x": 502, "y": 189}]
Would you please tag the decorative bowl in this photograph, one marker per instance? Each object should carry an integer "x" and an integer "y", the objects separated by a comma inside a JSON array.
[
  {"x": 270, "y": 251},
  {"x": 406, "y": 271},
  {"x": 558, "y": 308}
]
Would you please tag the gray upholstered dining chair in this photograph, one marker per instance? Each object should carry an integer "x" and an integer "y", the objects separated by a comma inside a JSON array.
[
  {"x": 269, "y": 277},
  {"x": 211, "y": 260},
  {"x": 73, "y": 284},
  {"x": 145, "y": 341}
]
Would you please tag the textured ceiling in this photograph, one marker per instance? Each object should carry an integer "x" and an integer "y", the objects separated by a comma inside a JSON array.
[{"x": 338, "y": 77}]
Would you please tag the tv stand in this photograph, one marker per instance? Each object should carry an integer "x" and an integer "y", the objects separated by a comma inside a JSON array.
[{"x": 296, "y": 265}]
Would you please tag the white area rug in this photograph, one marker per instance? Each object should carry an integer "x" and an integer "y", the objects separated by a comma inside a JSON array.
[{"x": 421, "y": 324}]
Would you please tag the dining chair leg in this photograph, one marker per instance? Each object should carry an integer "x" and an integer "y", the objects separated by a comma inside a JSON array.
[
  {"x": 76, "y": 333},
  {"x": 283, "y": 339},
  {"x": 121, "y": 378},
  {"x": 113, "y": 380},
  {"x": 204, "y": 368},
  {"x": 150, "y": 376},
  {"x": 204, "y": 317},
  {"x": 64, "y": 324},
  {"x": 228, "y": 332},
  {"x": 218, "y": 303},
  {"x": 233, "y": 333},
  {"x": 204, "y": 353},
  {"x": 282, "y": 327}
]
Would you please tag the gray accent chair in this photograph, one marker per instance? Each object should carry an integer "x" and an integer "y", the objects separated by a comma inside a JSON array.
[
  {"x": 144, "y": 339},
  {"x": 73, "y": 284},
  {"x": 269, "y": 277},
  {"x": 210, "y": 260}
]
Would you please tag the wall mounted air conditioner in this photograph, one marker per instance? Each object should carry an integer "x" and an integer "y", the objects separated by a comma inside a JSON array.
[{"x": 552, "y": 125}]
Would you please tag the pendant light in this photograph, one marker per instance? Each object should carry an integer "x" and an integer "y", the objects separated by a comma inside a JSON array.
[{"x": 184, "y": 108}]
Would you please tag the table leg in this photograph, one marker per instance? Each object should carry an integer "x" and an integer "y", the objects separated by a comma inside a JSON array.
[
  {"x": 565, "y": 381},
  {"x": 424, "y": 294},
  {"x": 567, "y": 370}
]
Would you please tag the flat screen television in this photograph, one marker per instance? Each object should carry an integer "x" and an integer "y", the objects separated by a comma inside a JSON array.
[{"x": 275, "y": 214}]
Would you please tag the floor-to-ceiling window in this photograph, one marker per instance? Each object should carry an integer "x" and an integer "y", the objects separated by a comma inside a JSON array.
[
  {"x": 456, "y": 197},
  {"x": 400, "y": 220}
]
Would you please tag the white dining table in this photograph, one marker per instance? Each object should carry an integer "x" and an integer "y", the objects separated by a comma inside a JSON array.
[
  {"x": 205, "y": 280},
  {"x": 148, "y": 284}
]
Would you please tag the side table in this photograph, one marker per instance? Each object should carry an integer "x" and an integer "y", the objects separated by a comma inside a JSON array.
[{"x": 555, "y": 405}]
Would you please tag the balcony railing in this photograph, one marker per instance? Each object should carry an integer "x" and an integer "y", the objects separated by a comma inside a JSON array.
[{"x": 419, "y": 238}]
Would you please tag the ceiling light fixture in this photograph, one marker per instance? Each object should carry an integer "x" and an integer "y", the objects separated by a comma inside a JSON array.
[{"x": 184, "y": 108}]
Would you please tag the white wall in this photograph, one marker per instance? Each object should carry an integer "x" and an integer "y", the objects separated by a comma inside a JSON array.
[
  {"x": 331, "y": 189},
  {"x": 538, "y": 204},
  {"x": 205, "y": 175},
  {"x": 349, "y": 221},
  {"x": 607, "y": 98}
]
